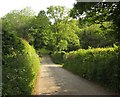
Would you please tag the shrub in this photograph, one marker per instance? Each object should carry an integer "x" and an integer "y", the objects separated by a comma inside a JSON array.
[
  {"x": 20, "y": 66},
  {"x": 100, "y": 65},
  {"x": 97, "y": 35},
  {"x": 43, "y": 51},
  {"x": 57, "y": 57}
]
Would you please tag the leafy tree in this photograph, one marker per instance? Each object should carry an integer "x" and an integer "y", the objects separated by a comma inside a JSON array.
[
  {"x": 97, "y": 37},
  {"x": 97, "y": 12},
  {"x": 62, "y": 27},
  {"x": 40, "y": 27},
  {"x": 116, "y": 20},
  {"x": 19, "y": 22},
  {"x": 57, "y": 13},
  {"x": 62, "y": 45}
]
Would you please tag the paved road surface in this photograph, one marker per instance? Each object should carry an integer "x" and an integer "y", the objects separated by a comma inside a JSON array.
[{"x": 54, "y": 80}]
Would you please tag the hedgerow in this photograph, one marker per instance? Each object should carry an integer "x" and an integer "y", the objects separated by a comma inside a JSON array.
[
  {"x": 20, "y": 66},
  {"x": 100, "y": 65},
  {"x": 57, "y": 57}
]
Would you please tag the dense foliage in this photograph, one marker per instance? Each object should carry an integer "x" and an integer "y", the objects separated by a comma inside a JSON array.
[
  {"x": 95, "y": 36},
  {"x": 19, "y": 23},
  {"x": 98, "y": 12},
  {"x": 55, "y": 30},
  {"x": 67, "y": 35},
  {"x": 100, "y": 64},
  {"x": 20, "y": 65},
  {"x": 57, "y": 57}
]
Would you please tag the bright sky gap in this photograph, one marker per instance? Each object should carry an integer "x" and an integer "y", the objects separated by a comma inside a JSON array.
[{"x": 8, "y": 5}]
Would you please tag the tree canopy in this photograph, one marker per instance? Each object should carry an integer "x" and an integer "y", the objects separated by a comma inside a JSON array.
[{"x": 57, "y": 28}]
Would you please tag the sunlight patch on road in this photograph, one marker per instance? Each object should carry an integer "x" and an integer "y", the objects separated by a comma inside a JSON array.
[{"x": 53, "y": 65}]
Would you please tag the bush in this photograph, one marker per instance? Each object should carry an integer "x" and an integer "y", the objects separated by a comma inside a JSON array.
[
  {"x": 43, "y": 51},
  {"x": 100, "y": 64},
  {"x": 97, "y": 35},
  {"x": 57, "y": 57},
  {"x": 20, "y": 66}
]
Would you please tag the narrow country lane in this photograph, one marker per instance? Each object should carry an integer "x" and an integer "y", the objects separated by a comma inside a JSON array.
[{"x": 54, "y": 80}]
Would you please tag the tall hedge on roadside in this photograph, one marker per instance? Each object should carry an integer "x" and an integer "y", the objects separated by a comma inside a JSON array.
[
  {"x": 100, "y": 65},
  {"x": 57, "y": 57},
  {"x": 20, "y": 65}
]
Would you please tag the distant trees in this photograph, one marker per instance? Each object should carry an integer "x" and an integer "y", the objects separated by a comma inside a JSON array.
[
  {"x": 56, "y": 30},
  {"x": 63, "y": 28},
  {"x": 41, "y": 24},
  {"x": 95, "y": 36},
  {"x": 19, "y": 22},
  {"x": 96, "y": 23}
]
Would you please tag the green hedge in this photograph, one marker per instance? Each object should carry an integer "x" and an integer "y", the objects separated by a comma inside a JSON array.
[
  {"x": 20, "y": 66},
  {"x": 100, "y": 65},
  {"x": 57, "y": 57}
]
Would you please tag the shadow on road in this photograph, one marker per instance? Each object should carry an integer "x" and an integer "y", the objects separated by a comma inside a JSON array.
[{"x": 54, "y": 80}]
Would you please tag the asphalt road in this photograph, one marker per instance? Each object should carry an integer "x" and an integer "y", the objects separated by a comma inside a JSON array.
[{"x": 54, "y": 80}]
